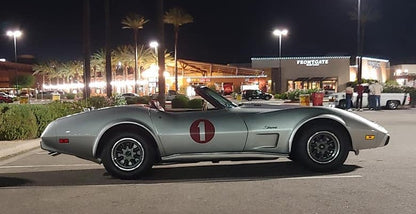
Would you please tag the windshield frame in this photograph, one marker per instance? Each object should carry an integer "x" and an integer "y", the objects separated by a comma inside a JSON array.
[{"x": 214, "y": 98}]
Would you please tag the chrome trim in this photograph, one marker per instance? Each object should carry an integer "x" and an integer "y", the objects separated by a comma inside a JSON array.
[
  {"x": 323, "y": 116},
  {"x": 222, "y": 156},
  {"x": 104, "y": 130}
]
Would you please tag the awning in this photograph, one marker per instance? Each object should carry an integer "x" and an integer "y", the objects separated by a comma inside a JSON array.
[
  {"x": 330, "y": 79},
  {"x": 301, "y": 79},
  {"x": 316, "y": 79}
]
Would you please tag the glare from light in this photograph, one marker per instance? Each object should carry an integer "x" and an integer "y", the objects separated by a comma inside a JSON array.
[
  {"x": 153, "y": 44},
  {"x": 16, "y": 33},
  {"x": 278, "y": 32}
]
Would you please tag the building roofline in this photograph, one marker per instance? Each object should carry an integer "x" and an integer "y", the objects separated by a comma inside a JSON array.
[{"x": 308, "y": 57}]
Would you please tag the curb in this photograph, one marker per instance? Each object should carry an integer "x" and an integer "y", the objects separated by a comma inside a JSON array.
[{"x": 13, "y": 148}]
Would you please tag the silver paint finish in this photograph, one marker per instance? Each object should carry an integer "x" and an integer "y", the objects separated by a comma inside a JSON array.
[{"x": 236, "y": 130}]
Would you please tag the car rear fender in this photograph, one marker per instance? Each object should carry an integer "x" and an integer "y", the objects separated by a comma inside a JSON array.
[
  {"x": 124, "y": 126},
  {"x": 309, "y": 120}
]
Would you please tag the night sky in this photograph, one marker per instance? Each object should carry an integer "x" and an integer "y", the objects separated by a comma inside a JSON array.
[{"x": 223, "y": 31}]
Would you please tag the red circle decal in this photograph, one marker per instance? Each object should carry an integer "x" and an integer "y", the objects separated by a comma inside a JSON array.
[{"x": 202, "y": 131}]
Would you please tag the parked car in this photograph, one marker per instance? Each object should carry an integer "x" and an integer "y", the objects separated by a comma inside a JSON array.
[
  {"x": 168, "y": 96},
  {"x": 387, "y": 100},
  {"x": 129, "y": 140},
  {"x": 256, "y": 94},
  {"x": 130, "y": 95},
  {"x": 5, "y": 98}
]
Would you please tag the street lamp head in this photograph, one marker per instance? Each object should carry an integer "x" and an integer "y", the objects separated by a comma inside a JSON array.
[
  {"x": 153, "y": 44},
  {"x": 16, "y": 33},
  {"x": 278, "y": 32}
]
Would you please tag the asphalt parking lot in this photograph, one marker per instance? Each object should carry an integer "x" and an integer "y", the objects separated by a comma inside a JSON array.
[{"x": 377, "y": 181}]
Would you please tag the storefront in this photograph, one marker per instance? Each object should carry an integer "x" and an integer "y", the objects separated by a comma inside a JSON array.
[{"x": 330, "y": 73}]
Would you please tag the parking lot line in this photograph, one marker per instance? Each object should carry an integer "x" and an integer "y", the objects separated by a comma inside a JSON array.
[
  {"x": 41, "y": 166},
  {"x": 324, "y": 177}
]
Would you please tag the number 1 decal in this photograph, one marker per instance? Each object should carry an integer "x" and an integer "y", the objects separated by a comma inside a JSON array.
[{"x": 202, "y": 131}]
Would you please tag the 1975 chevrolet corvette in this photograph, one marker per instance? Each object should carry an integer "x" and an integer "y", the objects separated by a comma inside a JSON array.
[{"x": 129, "y": 140}]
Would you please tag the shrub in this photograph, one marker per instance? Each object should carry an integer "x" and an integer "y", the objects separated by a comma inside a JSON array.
[
  {"x": 44, "y": 116},
  {"x": 195, "y": 103},
  {"x": 180, "y": 101},
  {"x": 282, "y": 96},
  {"x": 138, "y": 100},
  {"x": 17, "y": 122},
  {"x": 70, "y": 96},
  {"x": 392, "y": 89},
  {"x": 99, "y": 102},
  {"x": 119, "y": 100}
]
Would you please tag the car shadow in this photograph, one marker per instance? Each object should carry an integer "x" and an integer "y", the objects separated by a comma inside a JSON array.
[{"x": 167, "y": 174}]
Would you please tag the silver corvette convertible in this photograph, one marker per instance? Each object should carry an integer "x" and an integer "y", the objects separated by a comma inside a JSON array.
[{"x": 129, "y": 140}]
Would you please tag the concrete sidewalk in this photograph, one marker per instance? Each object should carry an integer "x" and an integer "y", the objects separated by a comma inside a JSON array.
[{"x": 12, "y": 148}]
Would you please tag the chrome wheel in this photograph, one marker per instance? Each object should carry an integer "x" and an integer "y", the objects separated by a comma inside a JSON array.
[
  {"x": 127, "y": 154},
  {"x": 392, "y": 105},
  {"x": 323, "y": 147}
]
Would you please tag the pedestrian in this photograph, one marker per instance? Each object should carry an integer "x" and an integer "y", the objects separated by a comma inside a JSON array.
[
  {"x": 371, "y": 98},
  {"x": 360, "y": 91},
  {"x": 348, "y": 96},
  {"x": 378, "y": 88}
]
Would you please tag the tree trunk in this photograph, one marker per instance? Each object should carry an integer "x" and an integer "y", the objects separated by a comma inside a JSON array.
[
  {"x": 87, "y": 66},
  {"x": 176, "y": 58},
  {"x": 161, "y": 55}
]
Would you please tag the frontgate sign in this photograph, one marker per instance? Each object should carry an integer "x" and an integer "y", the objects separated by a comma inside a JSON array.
[{"x": 312, "y": 62}]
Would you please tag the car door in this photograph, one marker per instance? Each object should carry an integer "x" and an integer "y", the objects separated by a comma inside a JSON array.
[{"x": 200, "y": 131}]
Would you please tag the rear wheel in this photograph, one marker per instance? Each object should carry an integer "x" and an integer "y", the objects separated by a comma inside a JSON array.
[
  {"x": 321, "y": 147},
  {"x": 393, "y": 104},
  {"x": 249, "y": 98},
  {"x": 342, "y": 104},
  {"x": 128, "y": 156}
]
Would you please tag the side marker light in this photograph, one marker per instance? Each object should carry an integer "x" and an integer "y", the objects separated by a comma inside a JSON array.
[{"x": 370, "y": 137}]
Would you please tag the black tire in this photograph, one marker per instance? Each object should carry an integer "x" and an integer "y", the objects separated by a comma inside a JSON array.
[
  {"x": 128, "y": 156},
  {"x": 321, "y": 147},
  {"x": 268, "y": 97},
  {"x": 392, "y": 105},
  {"x": 342, "y": 104},
  {"x": 249, "y": 98}
]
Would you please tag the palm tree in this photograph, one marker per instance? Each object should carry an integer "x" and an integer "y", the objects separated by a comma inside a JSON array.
[
  {"x": 134, "y": 22},
  {"x": 125, "y": 55},
  {"x": 108, "y": 50},
  {"x": 43, "y": 69},
  {"x": 177, "y": 17}
]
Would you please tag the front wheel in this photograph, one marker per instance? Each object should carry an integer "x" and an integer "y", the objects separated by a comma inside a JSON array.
[
  {"x": 128, "y": 156},
  {"x": 321, "y": 147}
]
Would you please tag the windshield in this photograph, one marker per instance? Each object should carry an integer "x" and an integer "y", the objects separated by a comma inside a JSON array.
[{"x": 214, "y": 98}]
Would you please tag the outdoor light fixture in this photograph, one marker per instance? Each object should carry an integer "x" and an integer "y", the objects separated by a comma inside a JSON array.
[
  {"x": 280, "y": 33},
  {"x": 15, "y": 34},
  {"x": 153, "y": 44}
]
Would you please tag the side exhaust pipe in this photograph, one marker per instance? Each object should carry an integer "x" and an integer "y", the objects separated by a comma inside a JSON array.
[{"x": 54, "y": 153}]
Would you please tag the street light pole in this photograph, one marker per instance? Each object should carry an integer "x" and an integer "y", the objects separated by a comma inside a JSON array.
[
  {"x": 15, "y": 34},
  {"x": 279, "y": 33},
  {"x": 359, "y": 46}
]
